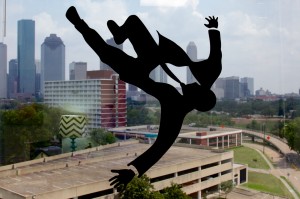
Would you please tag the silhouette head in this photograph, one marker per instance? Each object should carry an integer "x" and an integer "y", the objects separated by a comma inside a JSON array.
[{"x": 201, "y": 98}]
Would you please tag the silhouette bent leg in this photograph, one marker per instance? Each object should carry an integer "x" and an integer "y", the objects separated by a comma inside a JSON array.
[{"x": 139, "y": 36}]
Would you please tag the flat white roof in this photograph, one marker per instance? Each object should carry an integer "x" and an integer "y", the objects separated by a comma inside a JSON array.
[{"x": 85, "y": 168}]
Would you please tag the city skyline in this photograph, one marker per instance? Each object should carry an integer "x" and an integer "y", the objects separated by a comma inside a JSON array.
[{"x": 259, "y": 38}]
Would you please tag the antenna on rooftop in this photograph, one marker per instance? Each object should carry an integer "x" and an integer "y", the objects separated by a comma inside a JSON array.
[{"x": 4, "y": 20}]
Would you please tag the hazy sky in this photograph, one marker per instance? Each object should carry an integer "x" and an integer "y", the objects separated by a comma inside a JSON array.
[{"x": 260, "y": 38}]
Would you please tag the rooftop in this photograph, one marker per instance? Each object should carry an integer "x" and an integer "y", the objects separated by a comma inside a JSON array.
[
  {"x": 185, "y": 132},
  {"x": 90, "y": 167}
]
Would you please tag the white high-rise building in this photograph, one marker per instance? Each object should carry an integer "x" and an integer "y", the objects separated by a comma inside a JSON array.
[
  {"x": 3, "y": 70},
  {"x": 101, "y": 97}
]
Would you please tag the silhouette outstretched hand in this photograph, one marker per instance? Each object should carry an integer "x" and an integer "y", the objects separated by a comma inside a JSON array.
[
  {"x": 73, "y": 16},
  {"x": 124, "y": 177},
  {"x": 212, "y": 22}
]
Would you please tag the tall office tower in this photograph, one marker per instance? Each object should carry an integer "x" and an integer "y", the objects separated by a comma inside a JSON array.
[
  {"x": 111, "y": 42},
  {"x": 3, "y": 70},
  {"x": 52, "y": 60},
  {"x": 12, "y": 77},
  {"x": 158, "y": 75},
  {"x": 191, "y": 51},
  {"x": 249, "y": 81},
  {"x": 38, "y": 76},
  {"x": 77, "y": 70},
  {"x": 232, "y": 88},
  {"x": 26, "y": 69}
]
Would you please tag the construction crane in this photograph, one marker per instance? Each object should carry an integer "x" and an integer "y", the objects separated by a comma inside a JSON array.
[{"x": 4, "y": 21}]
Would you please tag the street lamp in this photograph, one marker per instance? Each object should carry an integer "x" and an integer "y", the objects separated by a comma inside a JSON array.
[{"x": 72, "y": 126}]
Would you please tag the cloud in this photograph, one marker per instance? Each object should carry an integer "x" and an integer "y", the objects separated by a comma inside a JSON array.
[
  {"x": 242, "y": 24},
  {"x": 163, "y": 3},
  {"x": 44, "y": 24}
]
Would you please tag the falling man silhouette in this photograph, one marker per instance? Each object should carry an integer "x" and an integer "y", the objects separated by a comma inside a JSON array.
[{"x": 174, "y": 106}]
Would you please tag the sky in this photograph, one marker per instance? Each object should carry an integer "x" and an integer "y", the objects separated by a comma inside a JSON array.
[{"x": 260, "y": 38}]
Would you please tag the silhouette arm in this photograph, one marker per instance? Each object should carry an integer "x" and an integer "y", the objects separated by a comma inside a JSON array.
[
  {"x": 207, "y": 71},
  {"x": 170, "y": 125}
]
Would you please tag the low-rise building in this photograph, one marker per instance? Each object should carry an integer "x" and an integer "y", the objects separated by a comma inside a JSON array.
[
  {"x": 211, "y": 137},
  {"x": 86, "y": 173}
]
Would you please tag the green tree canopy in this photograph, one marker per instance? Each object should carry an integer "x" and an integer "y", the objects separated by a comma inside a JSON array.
[
  {"x": 25, "y": 125},
  {"x": 292, "y": 134},
  {"x": 102, "y": 137},
  {"x": 138, "y": 116},
  {"x": 141, "y": 188}
]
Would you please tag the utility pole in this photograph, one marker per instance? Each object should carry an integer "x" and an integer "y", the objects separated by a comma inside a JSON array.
[{"x": 264, "y": 130}]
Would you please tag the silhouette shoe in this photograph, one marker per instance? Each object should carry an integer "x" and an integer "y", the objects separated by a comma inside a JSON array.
[
  {"x": 115, "y": 31},
  {"x": 73, "y": 16}
]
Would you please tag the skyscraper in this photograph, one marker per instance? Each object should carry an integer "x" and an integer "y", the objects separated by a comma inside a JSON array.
[
  {"x": 38, "y": 78},
  {"x": 249, "y": 81},
  {"x": 13, "y": 77},
  {"x": 3, "y": 70},
  {"x": 77, "y": 70},
  {"x": 232, "y": 88},
  {"x": 191, "y": 51},
  {"x": 26, "y": 68},
  {"x": 111, "y": 42},
  {"x": 158, "y": 75},
  {"x": 52, "y": 59}
]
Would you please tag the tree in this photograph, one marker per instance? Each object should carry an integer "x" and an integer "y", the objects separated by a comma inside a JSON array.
[
  {"x": 102, "y": 137},
  {"x": 25, "y": 125},
  {"x": 141, "y": 188},
  {"x": 174, "y": 191},
  {"x": 226, "y": 187},
  {"x": 254, "y": 125},
  {"x": 138, "y": 116},
  {"x": 292, "y": 134}
]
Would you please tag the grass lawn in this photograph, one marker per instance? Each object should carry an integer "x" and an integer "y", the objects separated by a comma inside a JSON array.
[
  {"x": 267, "y": 183},
  {"x": 245, "y": 155}
]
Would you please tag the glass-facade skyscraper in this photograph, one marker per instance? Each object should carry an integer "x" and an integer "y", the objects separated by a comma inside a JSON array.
[
  {"x": 26, "y": 60},
  {"x": 13, "y": 77},
  {"x": 3, "y": 70},
  {"x": 52, "y": 60}
]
